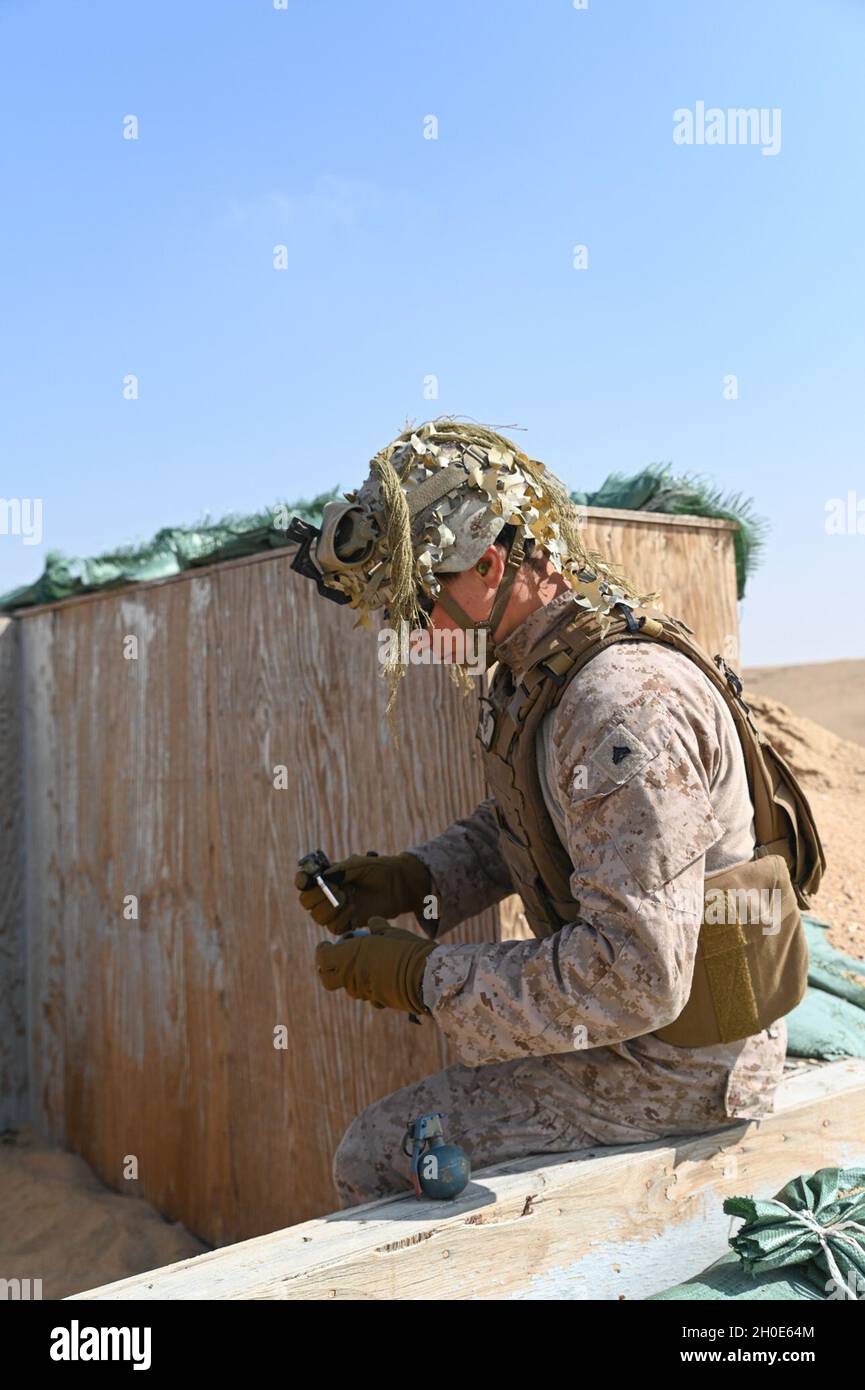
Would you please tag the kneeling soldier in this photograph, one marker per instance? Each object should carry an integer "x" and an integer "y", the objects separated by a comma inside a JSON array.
[{"x": 634, "y": 807}]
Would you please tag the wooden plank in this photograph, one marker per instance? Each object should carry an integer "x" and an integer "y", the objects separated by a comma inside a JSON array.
[
  {"x": 44, "y": 825},
  {"x": 641, "y": 518},
  {"x": 13, "y": 963},
  {"x": 614, "y": 1224},
  {"x": 147, "y": 1039}
]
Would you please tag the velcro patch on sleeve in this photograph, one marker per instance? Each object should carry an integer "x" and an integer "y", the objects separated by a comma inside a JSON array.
[{"x": 621, "y": 754}]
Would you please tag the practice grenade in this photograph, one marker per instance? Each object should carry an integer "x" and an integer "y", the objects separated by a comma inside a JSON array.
[{"x": 438, "y": 1170}]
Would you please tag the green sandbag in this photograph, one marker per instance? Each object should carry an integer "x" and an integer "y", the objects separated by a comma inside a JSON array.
[
  {"x": 805, "y": 1243},
  {"x": 825, "y": 1027},
  {"x": 832, "y": 970},
  {"x": 727, "y": 1281},
  {"x": 830, "y": 1021}
]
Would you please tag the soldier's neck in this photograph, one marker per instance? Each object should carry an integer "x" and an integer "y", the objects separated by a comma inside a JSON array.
[{"x": 533, "y": 589}]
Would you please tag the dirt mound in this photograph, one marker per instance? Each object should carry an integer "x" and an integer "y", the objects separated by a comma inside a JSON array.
[
  {"x": 59, "y": 1224},
  {"x": 832, "y": 692},
  {"x": 832, "y": 772}
]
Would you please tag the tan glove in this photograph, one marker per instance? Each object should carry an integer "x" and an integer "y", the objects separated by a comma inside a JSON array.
[
  {"x": 380, "y": 885},
  {"x": 385, "y": 968}
]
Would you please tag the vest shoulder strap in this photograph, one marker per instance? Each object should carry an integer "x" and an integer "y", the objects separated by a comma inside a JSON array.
[{"x": 783, "y": 820}]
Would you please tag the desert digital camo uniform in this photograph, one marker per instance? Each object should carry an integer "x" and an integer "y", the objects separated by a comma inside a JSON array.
[{"x": 555, "y": 1036}]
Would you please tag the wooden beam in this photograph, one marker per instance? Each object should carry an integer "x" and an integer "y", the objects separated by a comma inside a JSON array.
[
  {"x": 619, "y": 1223},
  {"x": 624, "y": 514}
]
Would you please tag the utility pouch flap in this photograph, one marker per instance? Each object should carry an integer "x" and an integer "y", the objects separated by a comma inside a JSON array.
[{"x": 751, "y": 966}]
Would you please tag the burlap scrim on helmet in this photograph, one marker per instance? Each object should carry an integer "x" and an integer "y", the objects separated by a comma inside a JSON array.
[{"x": 469, "y": 482}]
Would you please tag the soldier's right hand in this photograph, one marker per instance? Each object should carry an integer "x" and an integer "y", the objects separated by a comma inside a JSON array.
[{"x": 380, "y": 885}]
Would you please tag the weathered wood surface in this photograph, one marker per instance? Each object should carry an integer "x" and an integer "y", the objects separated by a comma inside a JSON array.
[
  {"x": 153, "y": 1035},
  {"x": 153, "y": 778},
  {"x": 13, "y": 999},
  {"x": 619, "y": 1223},
  {"x": 45, "y": 921}
]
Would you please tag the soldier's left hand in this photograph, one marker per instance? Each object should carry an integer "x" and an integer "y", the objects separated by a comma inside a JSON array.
[{"x": 385, "y": 969}]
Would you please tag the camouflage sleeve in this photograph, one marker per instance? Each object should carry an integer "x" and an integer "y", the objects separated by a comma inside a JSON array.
[
  {"x": 633, "y": 751},
  {"x": 467, "y": 870}
]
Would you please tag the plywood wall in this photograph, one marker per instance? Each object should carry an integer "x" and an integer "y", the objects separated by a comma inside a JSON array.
[
  {"x": 13, "y": 1035},
  {"x": 166, "y": 941},
  {"x": 166, "y": 946}
]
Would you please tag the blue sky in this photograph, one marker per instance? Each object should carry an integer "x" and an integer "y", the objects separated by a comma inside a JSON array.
[{"x": 410, "y": 257}]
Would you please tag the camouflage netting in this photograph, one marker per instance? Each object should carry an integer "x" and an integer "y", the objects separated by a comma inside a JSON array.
[
  {"x": 171, "y": 550},
  {"x": 178, "y": 548},
  {"x": 658, "y": 489}
]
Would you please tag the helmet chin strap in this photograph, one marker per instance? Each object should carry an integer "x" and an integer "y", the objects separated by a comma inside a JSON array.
[{"x": 497, "y": 612}]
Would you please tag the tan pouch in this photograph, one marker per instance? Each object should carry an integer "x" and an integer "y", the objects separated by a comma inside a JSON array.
[{"x": 751, "y": 966}]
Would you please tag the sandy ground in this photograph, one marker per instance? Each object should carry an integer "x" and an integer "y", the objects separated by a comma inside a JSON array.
[
  {"x": 816, "y": 715},
  {"x": 830, "y": 692},
  {"x": 832, "y": 773},
  {"x": 58, "y": 1223}
]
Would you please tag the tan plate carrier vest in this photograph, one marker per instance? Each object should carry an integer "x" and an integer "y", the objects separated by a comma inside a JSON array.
[{"x": 746, "y": 974}]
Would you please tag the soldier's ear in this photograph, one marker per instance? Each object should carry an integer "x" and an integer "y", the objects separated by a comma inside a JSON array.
[{"x": 490, "y": 565}]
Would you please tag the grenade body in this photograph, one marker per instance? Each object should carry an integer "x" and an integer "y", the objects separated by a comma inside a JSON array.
[{"x": 439, "y": 1170}]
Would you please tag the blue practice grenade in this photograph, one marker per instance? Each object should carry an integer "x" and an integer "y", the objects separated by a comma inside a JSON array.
[{"x": 438, "y": 1170}]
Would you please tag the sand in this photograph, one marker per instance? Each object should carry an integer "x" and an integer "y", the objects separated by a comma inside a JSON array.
[
  {"x": 832, "y": 773},
  {"x": 58, "y": 1223},
  {"x": 816, "y": 714},
  {"x": 830, "y": 692}
]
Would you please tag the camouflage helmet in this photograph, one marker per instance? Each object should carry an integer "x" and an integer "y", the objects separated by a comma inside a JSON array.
[{"x": 434, "y": 500}]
